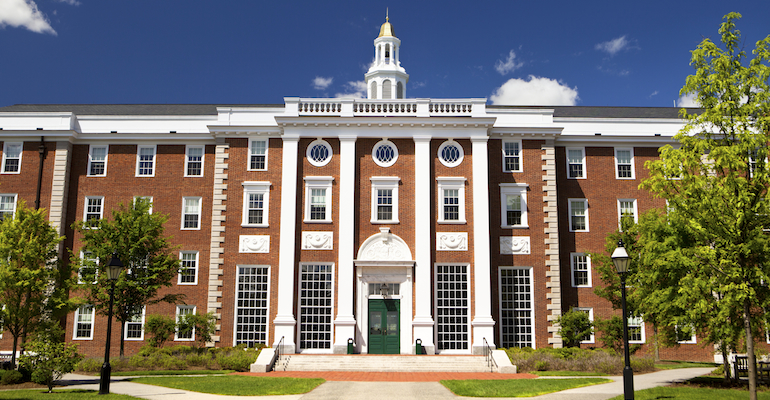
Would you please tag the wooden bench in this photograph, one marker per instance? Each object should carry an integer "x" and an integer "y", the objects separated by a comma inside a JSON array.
[{"x": 741, "y": 366}]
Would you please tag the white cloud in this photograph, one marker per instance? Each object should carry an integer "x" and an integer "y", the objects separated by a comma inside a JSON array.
[
  {"x": 70, "y": 2},
  {"x": 535, "y": 91},
  {"x": 321, "y": 83},
  {"x": 509, "y": 65},
  {"x": 24, "y": 13},
  {"x": 613, "y": 46},
  {"x": 687, "y": 100},
  {"x": 655, "y": 93},
  {"x": 355, "y": 89}
]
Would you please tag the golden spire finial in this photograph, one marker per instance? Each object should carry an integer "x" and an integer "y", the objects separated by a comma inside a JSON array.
[
  {"x": 387, "y": 29},
  {"x": 386, "y": 15}
]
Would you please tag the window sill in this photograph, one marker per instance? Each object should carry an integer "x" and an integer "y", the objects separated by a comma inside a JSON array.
[
  {"x": 193, "y": 176},
  {"x": 133, "y": 339},
  {"x": 392, "y": 222},
  {"x": 515, "y": 226},
  {"x": 144, "y": 176},
  {"x": 452, "y": 222},
  {"x": 96, "y": 176},
  {"x": 255, "y": 170},
  {"x": 184, "y": 340},
  {"x": 189, "y": 229},
  {"x": 515, "y": 171},
  {"x": 317, "y": 221},
  {"x": 186, "y": 284},
  {"x": 255, "y": 226},
  {"x": 576, "y": 177},
  {"x": 75, "y": 338},
  {"x": 571, "y": 231}
]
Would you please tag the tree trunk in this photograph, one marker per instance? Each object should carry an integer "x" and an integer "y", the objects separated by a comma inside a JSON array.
[
  {"x": 655, "y": 342},
  {"x": 750, "y": 352},
  {"x": 725, "y": 361},
  {"x": 122, "y": 329},
  {"x": 13, "y": 353}
]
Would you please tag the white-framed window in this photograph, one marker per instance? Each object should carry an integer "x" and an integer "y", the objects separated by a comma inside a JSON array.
[
  {"x": 627, "y": 209},
  {"x": 318, "y": 199},
  {"x": 385, "y": 153},
  {"x": 452, "y": 308},
  {"x": 451, "y": 153},
  {"x": 258, "y": 154},
  {"x": 94, "y": 208},
  {"x": 7, "y": 205},
  {"x": 385, "y": 199},
  {"x": 148, "y": 198},
  {"x": 319, "y": 153},
  {"x": 188, "y": 268},
  {"x": 512, "y": 156},
  {"x": 578, "y": 215},
  {"x": 576, "y": 163},
  {"x": 97, "y": 160},
  {"x": 134, "y": 329},
  {"x": 256, "y": 201},
  {"x": 252, "y": 305},
  {"x": 193, "y": 160},
  {"x": 517, "y": 307},
  {"x": 88, "y": 267},
  {"x": 316, "y": 306},
  {"x": 590, "y": 311},
  {"x": 145, "y": 160},
  {"x": 685, "y": 334},
  {"x": 181, "y": 312},
  {"x": 624, "y": 163},
  {"x": 580, "y": 264},
  {"x": 635, "y": 330},
  {"x": 451, "y": 200},
  {"x": 12, "y": 157},
  {"x": 191, "y": 213},
  {"x": 84, "y": 323},
  {"x": 513, "y": 205}
]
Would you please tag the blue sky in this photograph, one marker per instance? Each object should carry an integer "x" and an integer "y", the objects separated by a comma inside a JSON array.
[{"x": 596, "y": 53}]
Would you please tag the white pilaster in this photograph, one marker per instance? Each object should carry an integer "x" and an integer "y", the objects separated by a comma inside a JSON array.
[
  {"x": 423, "y": 320},
  {"x": 345, "y": 323},
  {"x": 483, "y": 324},
  {"x": 285, "y": 322}
]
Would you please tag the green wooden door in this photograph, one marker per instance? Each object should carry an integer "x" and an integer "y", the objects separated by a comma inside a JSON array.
[{"x": 384, "y": 326}]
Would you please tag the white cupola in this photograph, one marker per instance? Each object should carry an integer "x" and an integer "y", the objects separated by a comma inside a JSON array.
[{"x": 386, "y": 78}]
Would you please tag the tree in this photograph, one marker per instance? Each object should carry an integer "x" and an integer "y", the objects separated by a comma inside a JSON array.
[
  {"x": 137, "y": 237},
  {"x": 49, "y": 358},
  {"x": 716, "y": 181},
  {"x": 200, "y": 325},
  {"x": 574, "y": 327},
  {"x": 29, "y": 272},
  {"x": 160, "y": 328}
]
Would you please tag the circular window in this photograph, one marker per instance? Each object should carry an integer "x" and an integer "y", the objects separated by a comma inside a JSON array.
[
  {"x": 319, "y": 153},
  {"x": 450, "y": 153},
  {"x": 385, "y": 153}
]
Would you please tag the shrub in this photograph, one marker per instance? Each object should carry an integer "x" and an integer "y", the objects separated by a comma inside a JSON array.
[
  {"x": 574, "y": 359},
  {"x": 49, "y": 359},
  {"x": 574, "y": 326},
  {"x": 11, "y": 377},
  {"x": 89, "y": 365},
  {"x": 203, "y": 326},
  {"x": 237, "y": 359},
  {"x": 160, "y": 328}
]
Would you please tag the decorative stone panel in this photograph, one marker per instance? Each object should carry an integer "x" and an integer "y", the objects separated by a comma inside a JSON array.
[
  {"x": 314, "y": 240},
  {"x": 254, "y": 244},
  {"x": 452, "y": 241},
  {"x": 514, "y": 244}
]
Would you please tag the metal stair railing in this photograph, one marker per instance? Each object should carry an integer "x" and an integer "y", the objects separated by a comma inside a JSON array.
[
  {"x": 277, "y": 356},
  {"x": 491, "y": 363}
]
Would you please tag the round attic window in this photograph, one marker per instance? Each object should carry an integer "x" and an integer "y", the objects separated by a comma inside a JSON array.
[
  {"x": 450, "y": 153},
  {"x": 319, "y": 153},
  {"x": 385, "y": 153}
]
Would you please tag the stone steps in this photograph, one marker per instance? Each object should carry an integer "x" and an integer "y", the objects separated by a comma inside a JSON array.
[{"x": 381, "y": 363}]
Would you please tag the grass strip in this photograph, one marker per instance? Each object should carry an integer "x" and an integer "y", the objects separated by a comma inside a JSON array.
[
  {"x": 516, "y": 387},
  {"x": 174, "y": 372},
  {"x": 566, "y": 373},
  {"x": 686, "y": 393},
  {"x": 71, "y": 394},
  {"x": 236, "y": 385},
  {"x": 684, "y": 364}
]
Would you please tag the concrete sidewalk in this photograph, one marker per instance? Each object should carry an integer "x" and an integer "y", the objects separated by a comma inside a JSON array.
[{"x": 378, "y": 390}]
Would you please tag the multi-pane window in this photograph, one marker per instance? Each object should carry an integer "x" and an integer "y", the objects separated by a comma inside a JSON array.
[
  {"x": 258, "y": 155},
  {"x": 516, "y": 308},
  {"x": 451, "y": 200},
  {"x": 7, "y": 206},
  {"x": 145, "y": 161},
  {"x": 255, "y": 203},
  {"x": 251, "y": 307},
  {"x": 590, "y": 311},
  {"x": 182, "y": 311},
  {"x": 384, "y": 199},
  {"x": 188, "y": 268},
  {"x": 194, "y": 161},
  {"x": 318, "y": 200},
  {"x": 452, "y": 307},
  {"x": 626, "y": 209},
  {"x": 12, "y": 158},
  {"x": 135, "y": 325},
  {"x": 635, "y": 330},
  {"x": 94, "y": 209},
  {"x": 97, "y": 160},
  {"x": 451, "y": 204},
  {"x": 685, "y": 334},
  {"x": 580, "y": 264},
  {"x": 315, "y": 306},
  {"x": 578, "y": 215},
  {"x": 317, "y": 204},
  {"x": 88, "y": 267},
  {"x": 191, "y": 213},
  {"x": 385, "y": 153},
  {"x": 576, "y": 163},
  {"x": 319, "y": 153},
  {"x": 624, "y": 163},
  {"x": 84, "y": 322},
  {"x": 512, "y": 156},
  {"x": 384, "y": 204},
  {"x": 451, "y": 153},
  {"x": 513, "y": 201}
]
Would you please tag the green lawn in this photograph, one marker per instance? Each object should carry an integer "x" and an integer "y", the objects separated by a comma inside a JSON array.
[
  {"x": 687, "y": 393},
  {"x": 566, "y": 373},
  {"x": 42, "y": 394},
  {"x": 516, "y": 387},
  {"x": 236, "y": 385},
  {"x": 174, "y": 372}
]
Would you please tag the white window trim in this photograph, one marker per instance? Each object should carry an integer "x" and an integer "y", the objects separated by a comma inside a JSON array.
[
  {"x": 15, "y": 202},
  {"x": 298, "y": 297},
  {"x": 392, "y": 146},
  {"x": 267, "y": 149},
  {"x": 187, "y": 160},
  {"x": 176, "y": 331},
  {"x": 385, "y": 182},
  {"x": 521, "y": 163},
  {"x": 318, "y": 182},
  {"x": 532, "y": 300},
  {"x": 106, "y": 157},
  {"x": 96, "y": 273},
  {"x": 310, "y": 148},
  {"x": 235, "y": 304},
  {"x": 75, "y": 324},
  {"x": 125, "y": 329},
  {"x": 145, "y": 197},
  {"x": 470, "y": 309},
  {"x": 692, "y": 340},
  {"x": 583, "y": 162},
  {"x": 197, "y": 264},
  {"x": 633, "y": 170},
  {"x": 154, "y": 159},
  {"x": 198, "y": 212},
  {"x": 85, "y": 207},
  {"x": 569, "y": 210},
  {"x": 644, "y": 338},
  {"x": 451, "y": 182},
  {"x": 513, "y": 189},
  {"x": 590, "y": 311},
  {"x": 254, "y": 187},
  {"x": 5, "y": 153},
  {"x": 620, "y": 215},
  {"x": 459, "y": 159},
  {"x": 572, "y": 269}
]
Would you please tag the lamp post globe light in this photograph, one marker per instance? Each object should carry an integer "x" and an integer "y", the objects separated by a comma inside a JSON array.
[
  {"x": 113, "y": 271},
  {"x": 621, "y": 260}
]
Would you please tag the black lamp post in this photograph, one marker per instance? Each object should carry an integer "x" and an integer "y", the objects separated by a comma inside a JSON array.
[
  {"x": 621, "y": 260},
  {"x": 113, "y": 271}
]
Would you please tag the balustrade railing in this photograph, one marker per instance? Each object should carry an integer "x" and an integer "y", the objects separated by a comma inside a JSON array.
[{"x": 398, "y": 107}]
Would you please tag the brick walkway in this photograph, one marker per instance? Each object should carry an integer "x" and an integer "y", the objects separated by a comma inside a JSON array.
[{"x": 356, "y": 376}]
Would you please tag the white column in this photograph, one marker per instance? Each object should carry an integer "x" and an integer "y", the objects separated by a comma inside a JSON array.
[
  {"x": 423, "y": 320},
  {"x": 284, "y": 321},
  {"x": 345, "y": 323},
  {"x": 483, "y": 324}
]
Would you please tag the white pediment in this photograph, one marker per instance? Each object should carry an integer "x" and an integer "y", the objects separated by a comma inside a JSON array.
[{"x": 384, "y": 246}]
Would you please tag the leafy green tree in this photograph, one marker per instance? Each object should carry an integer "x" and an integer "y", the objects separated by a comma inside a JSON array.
[
  {"x": 49, "y": 358},
  {"x": 201, "y": 325},
  {"x": 574, "y": 327},
  {"x": 137, "y": 236},
  {"x": 29, "y": 274},
  {"x": 160, "y": 328},
  {"x": 716, "y": 181}
]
